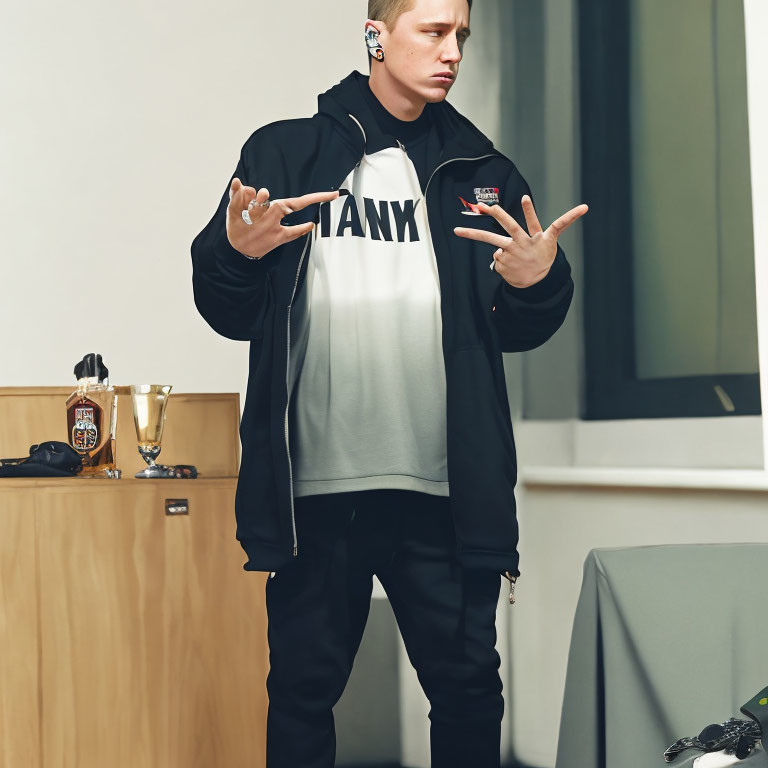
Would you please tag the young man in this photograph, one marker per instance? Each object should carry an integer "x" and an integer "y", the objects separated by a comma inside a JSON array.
[{"x": 352, "y": 250}]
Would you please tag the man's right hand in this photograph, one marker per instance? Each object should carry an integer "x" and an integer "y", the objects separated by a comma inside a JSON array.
[{"x": 266, "y": 232}]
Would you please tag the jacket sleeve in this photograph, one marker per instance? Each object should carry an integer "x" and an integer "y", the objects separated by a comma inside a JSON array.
[
  {"x": 526, "y": 317},
  {"x": 229, "y": 288}
]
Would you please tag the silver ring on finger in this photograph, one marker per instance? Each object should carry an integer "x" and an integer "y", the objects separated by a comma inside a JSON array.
[
  {"x": 246, "y": 217},
  {"x": 265, "y": 204}
]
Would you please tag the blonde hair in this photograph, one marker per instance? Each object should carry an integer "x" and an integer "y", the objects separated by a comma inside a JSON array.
[{"x": 389, "y": 11}]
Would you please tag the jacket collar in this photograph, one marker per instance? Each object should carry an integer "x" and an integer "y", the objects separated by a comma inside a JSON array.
[{"x": 454, "y": 134}]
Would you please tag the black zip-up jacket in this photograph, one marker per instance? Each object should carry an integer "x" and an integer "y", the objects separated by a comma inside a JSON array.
[{"x": 482, "y": 316}]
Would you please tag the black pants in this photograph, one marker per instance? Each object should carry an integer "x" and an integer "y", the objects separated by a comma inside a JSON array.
[{"x": 317, "y": 607}]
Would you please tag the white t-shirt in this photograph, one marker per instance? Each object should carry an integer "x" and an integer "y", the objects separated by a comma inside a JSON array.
[{"x": 368, "y": 409}]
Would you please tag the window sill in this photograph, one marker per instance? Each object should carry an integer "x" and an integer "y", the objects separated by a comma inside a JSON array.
[
  {"x": 732, "y": 444},
  {"x": 647, "y": 477}
]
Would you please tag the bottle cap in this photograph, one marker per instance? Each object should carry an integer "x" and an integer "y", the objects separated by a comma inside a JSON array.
[{"x": 91, "y": 366}]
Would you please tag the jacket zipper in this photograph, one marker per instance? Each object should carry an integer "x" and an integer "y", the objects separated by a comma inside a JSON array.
[
  {"x": 288, "y": 392},
  {"x": 287, "y": 371},
  {"x": 512, "y": 580}
]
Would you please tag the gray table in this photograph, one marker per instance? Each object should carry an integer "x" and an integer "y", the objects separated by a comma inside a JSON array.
[{"x": 666, "y": 640}]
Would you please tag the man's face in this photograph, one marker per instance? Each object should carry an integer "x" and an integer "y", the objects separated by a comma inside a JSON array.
[{"x": 425, "y": 42}]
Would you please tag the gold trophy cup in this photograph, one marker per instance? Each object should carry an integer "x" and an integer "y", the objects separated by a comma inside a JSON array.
[{"x": 149, "y": 404}]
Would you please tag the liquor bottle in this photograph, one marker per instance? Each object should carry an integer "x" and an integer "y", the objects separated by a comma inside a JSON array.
[{"x": 92, "y": 418}]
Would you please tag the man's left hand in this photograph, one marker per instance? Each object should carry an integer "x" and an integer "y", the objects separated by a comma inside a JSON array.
[{"x": 522, "y": 259}]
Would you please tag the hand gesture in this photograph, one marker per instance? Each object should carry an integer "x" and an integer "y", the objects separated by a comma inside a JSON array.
[
  {"x": 522, "y": 259},
  {"x": 266, "y": 232}
]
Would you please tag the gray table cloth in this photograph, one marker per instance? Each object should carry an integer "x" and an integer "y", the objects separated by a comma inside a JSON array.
[{"x": 666, "y": 640}]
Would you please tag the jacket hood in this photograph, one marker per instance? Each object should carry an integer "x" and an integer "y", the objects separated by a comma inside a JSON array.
[{"x": 454, "y": 133}]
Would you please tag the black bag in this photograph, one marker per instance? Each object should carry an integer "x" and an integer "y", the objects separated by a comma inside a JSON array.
[{"x": 50, "y": 459}]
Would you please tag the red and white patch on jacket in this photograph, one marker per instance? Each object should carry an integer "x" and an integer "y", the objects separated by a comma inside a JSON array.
[{"x": 487, "y": 195}]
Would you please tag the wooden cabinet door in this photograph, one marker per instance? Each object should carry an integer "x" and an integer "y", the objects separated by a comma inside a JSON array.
[{"x": 153, "y": 643}]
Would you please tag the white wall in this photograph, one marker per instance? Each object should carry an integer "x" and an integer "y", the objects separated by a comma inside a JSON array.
[{"x": 121, "y": 126}]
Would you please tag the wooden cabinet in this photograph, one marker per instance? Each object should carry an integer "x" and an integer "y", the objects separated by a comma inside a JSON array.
[{"x": 130, "y": 635}]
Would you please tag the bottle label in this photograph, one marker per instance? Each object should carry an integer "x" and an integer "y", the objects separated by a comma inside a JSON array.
[{"x": 85, "y": 435}]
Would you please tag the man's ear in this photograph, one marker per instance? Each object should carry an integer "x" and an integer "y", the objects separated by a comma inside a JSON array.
[{"x": 378, "y": 27}]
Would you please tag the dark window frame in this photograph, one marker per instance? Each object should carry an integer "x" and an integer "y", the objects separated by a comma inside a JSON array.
[{"x": 611, "y": 389}]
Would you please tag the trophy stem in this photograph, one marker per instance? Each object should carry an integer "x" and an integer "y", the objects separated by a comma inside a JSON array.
[{"x": 149, "y": 452}]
